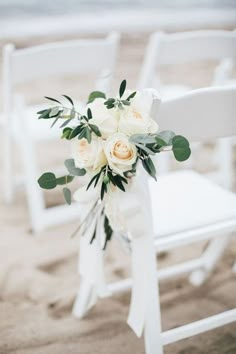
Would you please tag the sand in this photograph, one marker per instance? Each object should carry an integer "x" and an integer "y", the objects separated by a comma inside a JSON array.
[{"x": 38, "y": 273}]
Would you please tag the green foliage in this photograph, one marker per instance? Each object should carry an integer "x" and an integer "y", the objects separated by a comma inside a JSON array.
[
  {"x": 67, "y": 195},
  {"x": 72, "y": 169},
  {"x": 96, "y": 94},
  {"x": 48, "y": 180},
  {"x": 69, "y": 99},
  {"x": 180, "y": 147},
  {"x": 149, "y": 167},
  {"x": 108, "y": 231},
  {"x": 122, "y": 88},
  {"x": 66, "y": 133}
]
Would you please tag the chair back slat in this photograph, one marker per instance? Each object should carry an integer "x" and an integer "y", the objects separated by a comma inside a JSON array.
[
  {"x": 70, "y": 57},
  {"x": 185, "y": 47},
  {"x": 198, "y": 45},
  {"x": 200, "y": 115}
]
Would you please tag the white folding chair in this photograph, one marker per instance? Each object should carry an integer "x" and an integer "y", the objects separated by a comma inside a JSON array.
[
  {"x": 183, "y": 48},
  {"x": 187, "y": 47},
  {"x": 207, "y": 210},
  {"x": 96, "y": 56}
]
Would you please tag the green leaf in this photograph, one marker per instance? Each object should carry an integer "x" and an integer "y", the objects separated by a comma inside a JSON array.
[
  {"x": 76, "y": 131},
  {"x": 95, "y": 129},
  {"x": 142, "y": 139},
  {"x": 108, "y": 231},
  {"x": 42, "y": 111},
  {"x": 69, "y": 99},
  {"x": 131, "y": 96},
  {"x": 166, "y": 136},
  {"x": 118, "y": 181},
  {"x": 72, "y": 169},
  {"x": 67, "y": 195},
  {"x": 91, "y": 182},
  {"x": 89, "y": 113},
  {"x": 45, "y": 114},
  {"x": 54, "y": 112},
  {"x": 125, "y": 102},
  {"x": 180, "y": 147},
  {"x": 66, "y": 133},
  {"x": 103, "y": 190},
  {"x": 88, "y": 135},
  {"x": 47, "y": 180},
  {"x": 149, "y": 167},
  {"x": 145, "y": 148},
  {"x": 67, "y": 121},
  {"x": 52, "y": 99},
  {"x": 122, "y": 88},
  {"x": 54, "y": 122},
  {"x": 64, "y": 180},
  {"x": 95, "y": 94}
]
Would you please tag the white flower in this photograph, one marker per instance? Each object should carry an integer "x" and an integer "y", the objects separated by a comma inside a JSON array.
[
  {"x": 89, "y": 156},
  {"x": 105, "y": 119},
  {"x": 120, "y": 153},
  {"x": 136, "y": 118}
]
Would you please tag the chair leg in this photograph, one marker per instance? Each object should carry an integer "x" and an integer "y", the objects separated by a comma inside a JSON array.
[
  {"x": 152, "y": 330},
  {"x": 34, "y": 194},
  {"x": 211, "y": 257},
  {"x": 8, "y": 169},
  {"x": 84, "y": 299}
]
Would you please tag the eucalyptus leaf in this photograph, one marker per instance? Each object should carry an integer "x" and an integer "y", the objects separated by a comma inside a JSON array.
[
  {"x": 48, "y": 180},
  {"x": 64, "y": 180},
  {"x": 142, "y": 139},
  {"x": 67, "y": 195},
  {"x": 145, "y": 148},
  {"x": 180, "y": 147},
  {"x": 166, "y": 136},
  {"x": 72, "y": 169}
]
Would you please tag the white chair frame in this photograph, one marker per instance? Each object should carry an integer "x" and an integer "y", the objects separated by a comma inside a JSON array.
[
  {"x": 97, "y": 56},
  {"x": 202, "y": 114},
  {"x": 186, "y": 47}
]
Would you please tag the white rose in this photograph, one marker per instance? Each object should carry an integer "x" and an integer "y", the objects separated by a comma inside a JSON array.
[
  {"x": 136, "y": 118},
  {"x": 89, "y": 156},
  {"x": 105, "y": 119},
  {"x": 120, "y": 153}
]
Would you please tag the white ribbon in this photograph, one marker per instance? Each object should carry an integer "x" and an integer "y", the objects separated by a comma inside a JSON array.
[{"x": 129, "y": 212}]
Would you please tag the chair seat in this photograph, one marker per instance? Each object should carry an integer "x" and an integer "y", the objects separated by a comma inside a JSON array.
[
  {"x": 39, "y": 128},
  {"x": 186, "y": 200},
  {"x": 172, "y": 91}
]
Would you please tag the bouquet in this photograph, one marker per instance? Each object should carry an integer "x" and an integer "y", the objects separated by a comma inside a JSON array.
[{"x": 109, "y": 138}]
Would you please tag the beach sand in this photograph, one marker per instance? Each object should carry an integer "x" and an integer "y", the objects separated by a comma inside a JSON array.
[{"x": 38, "y": 273}]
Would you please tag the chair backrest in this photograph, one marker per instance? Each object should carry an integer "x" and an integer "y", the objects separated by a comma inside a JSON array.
[
  {"x": 200, "y": 115},
  {"x": 60, "y": 58},
  {"x": 92, "y": 56},
  {"x": 185, "y": 47}
]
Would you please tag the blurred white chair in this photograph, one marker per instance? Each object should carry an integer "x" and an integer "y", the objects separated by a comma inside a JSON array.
[
  {"x": 187, "y": 47},
  {"x": 187, "y": 207},
  {"x": 92, "y": 56}
]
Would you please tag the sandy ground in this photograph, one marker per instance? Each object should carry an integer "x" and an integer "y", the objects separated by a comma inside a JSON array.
[{"x": 38, "y": 273}]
